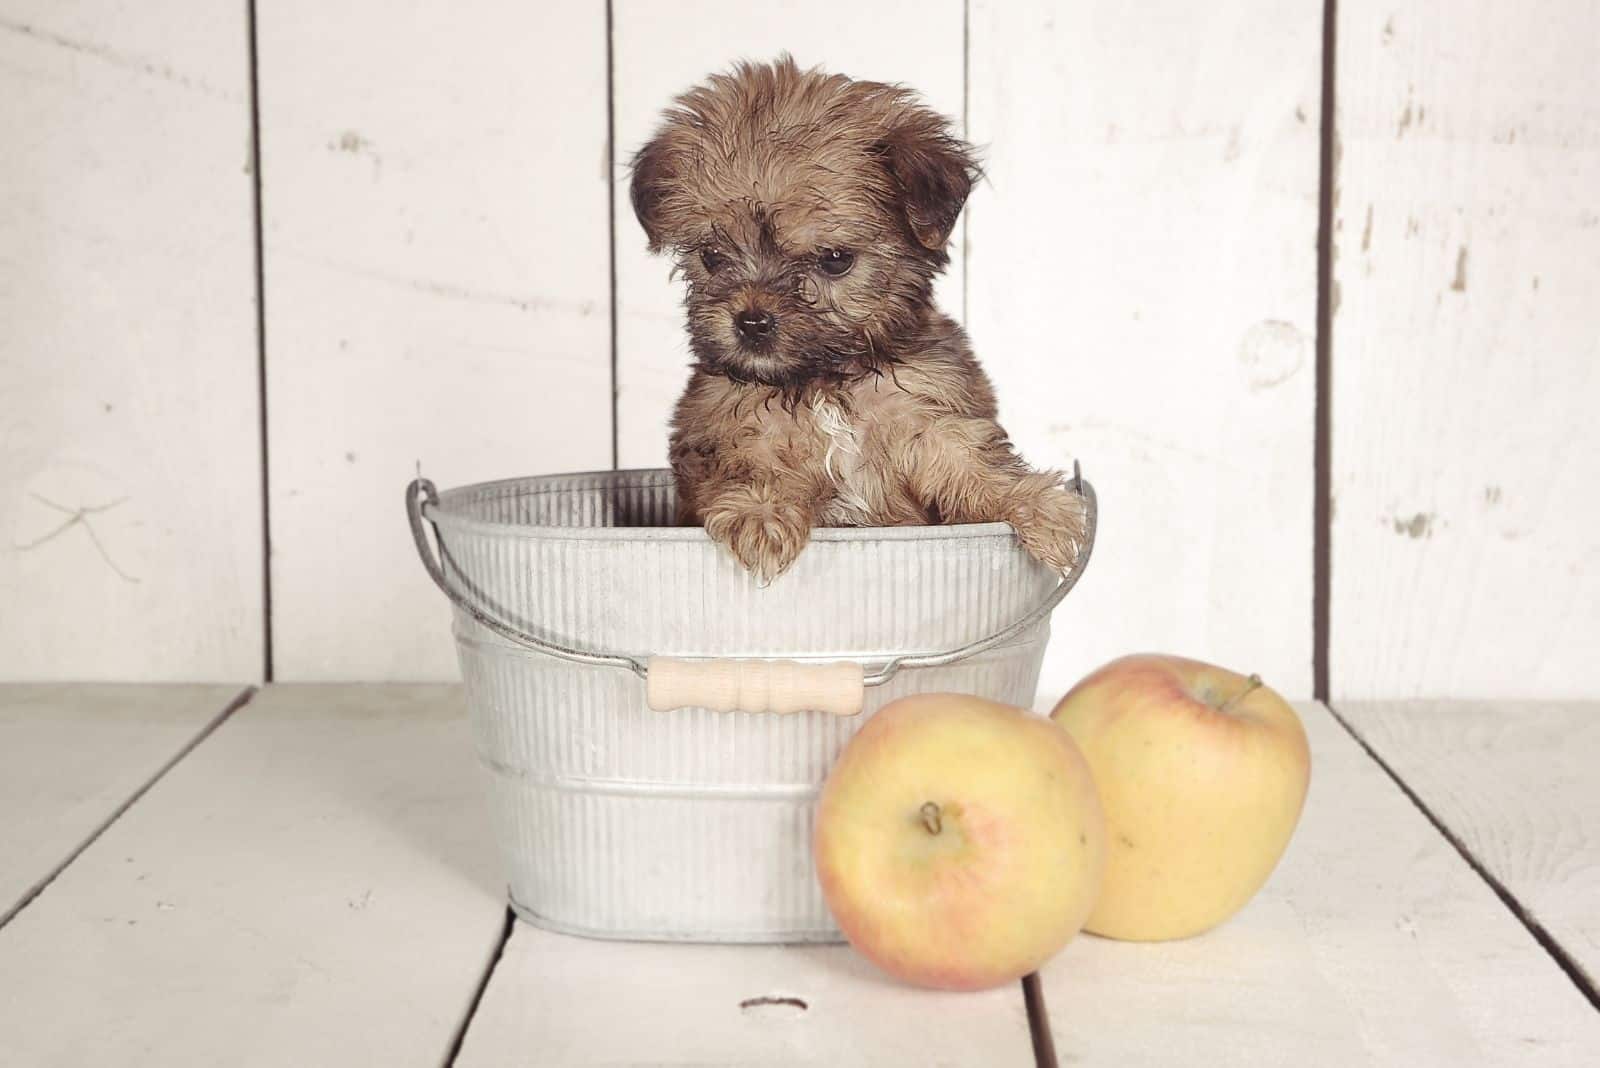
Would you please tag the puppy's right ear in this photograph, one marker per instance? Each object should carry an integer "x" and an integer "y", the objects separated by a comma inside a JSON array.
[
  {"x": 653, "y": 177},
  {"x": 933, "y": 169}
]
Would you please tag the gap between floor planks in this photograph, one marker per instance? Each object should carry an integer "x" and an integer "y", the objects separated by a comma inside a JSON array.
[
  {"x": 239, "y": 700},
  {"x": 1035, "y": 1004},
  {"x": 1557, "y": 953}
]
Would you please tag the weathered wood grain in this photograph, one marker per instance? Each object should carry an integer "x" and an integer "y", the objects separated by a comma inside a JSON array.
[
  {"x": 1372, "y": 944},
  {"x": 1142, "y": 288},
  {"x": 130, "y": 472},
  {"x": 579, "y": 1002},
  {"x": 662, "y": 49},
  {"x": 1514, "y": 782},
  {"x": 314, "y": 884},
  {"x": 71, "y": 755},
  {"x": 1466, "y": 370},
  {"x": 437, "y": 290}
]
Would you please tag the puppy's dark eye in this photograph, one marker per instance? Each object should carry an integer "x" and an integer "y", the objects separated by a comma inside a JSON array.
[
  {"x": 835, "y": 261},
  {"x": 713, "y": 259}
]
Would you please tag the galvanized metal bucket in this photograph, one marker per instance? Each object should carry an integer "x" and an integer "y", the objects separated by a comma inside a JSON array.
[{"x": 578, "y": 606}]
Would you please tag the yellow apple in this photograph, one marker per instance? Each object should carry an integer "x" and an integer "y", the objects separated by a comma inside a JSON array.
[
  {"x": 1202, "y": 773},
  {"x": 959, "y": 841}
]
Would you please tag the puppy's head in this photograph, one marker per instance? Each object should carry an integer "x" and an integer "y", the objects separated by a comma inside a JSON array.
[{"x": 808, "y": 213}]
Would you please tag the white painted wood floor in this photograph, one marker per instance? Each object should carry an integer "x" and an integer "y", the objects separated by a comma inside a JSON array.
[{"x": 308, "y": 879}]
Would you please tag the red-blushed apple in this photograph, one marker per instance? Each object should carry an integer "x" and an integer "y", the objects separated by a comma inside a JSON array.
[
  {"x": 1202, "y": 773},
  {"x": 959, "y": 842}
]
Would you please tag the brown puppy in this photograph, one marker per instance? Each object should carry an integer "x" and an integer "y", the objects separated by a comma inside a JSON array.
[{"x": 809, "y": 214}]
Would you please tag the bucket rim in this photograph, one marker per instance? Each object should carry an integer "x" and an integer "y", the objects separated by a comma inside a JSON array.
[{"x": 652, "y": 478}]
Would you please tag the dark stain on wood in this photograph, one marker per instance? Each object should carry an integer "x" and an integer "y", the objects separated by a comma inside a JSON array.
[
  {"x": 1459, "y": 283},
  {"x": 1418, "y": 526}
]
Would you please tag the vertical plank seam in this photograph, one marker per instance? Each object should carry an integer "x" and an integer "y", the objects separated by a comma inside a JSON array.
[
  {"x": 240, "y": 699},
  {"x": 611, "y": 220},
  {"x": 1569, "y": 966},
  {"x": 483, "y": 985},
  {"x": 1322, "y": 447},
  {"x": 1039, "y": 1036},
  {"x": 261, "y": 344},
  {"x": 966, "y": 135}
]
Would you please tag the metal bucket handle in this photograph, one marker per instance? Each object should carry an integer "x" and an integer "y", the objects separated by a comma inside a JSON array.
[{"x": 747, "y": 684}]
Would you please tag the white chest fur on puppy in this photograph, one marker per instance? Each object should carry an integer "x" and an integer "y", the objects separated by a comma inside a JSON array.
[{"x": 849, "y": 507}]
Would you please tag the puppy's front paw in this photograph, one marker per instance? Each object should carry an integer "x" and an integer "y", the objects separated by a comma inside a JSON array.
[
  {"x": 1051, "y": 522},
  {"x": 765, "y": 536}
]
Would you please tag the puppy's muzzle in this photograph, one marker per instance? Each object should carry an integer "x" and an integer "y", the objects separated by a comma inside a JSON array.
[{"x": 755, "y": 325}]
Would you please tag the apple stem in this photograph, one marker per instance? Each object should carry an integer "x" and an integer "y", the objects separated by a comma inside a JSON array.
[
  {"x": 1252, "y": 683},
  {"x": 930, "y": 817}
]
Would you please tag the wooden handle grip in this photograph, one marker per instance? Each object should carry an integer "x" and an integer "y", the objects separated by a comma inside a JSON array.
[{"x": 754, "y": 685}]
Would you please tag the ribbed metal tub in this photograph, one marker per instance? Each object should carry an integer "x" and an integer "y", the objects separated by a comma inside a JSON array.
[{"x": 618, "y": 821}]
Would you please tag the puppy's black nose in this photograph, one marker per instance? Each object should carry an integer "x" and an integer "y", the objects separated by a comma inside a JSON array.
[{"x": 754, "y": 325}]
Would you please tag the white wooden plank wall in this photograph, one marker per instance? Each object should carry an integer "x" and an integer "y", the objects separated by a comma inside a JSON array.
[
  {"x": 1466, "y": 372},
  {"x": 1139, "y": 277},
  {"x": 438, "y": 289},
  {"x": 1142, "y": 280},
  {"x": 663, "y": 49},
  {"x": 130, "y": 471}
]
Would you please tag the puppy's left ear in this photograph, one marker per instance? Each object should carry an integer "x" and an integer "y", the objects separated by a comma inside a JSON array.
[
  {"x": 653, "y": 177},
  {"x": 934, "y": 171}
]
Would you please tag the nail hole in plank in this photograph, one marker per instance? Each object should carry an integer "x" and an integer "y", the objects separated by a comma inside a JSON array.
[{"x": 775, "y": 1007}]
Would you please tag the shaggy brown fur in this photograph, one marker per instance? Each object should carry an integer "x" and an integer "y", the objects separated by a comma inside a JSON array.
[{"x": 809, "y": 214}]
